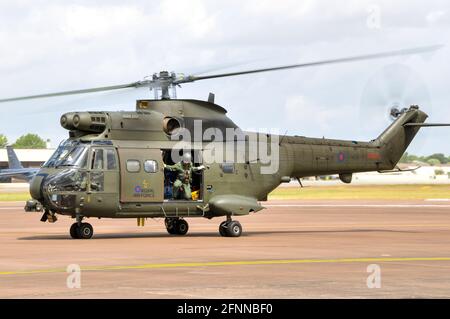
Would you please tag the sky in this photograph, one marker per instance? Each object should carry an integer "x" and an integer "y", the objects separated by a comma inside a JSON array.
[{"x": 50, "y": 46}]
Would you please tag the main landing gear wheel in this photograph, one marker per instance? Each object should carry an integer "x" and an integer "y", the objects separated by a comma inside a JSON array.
[
  {"x": 182, "y": 227},
  {"x": 223, "y": 229},
  {"x": 74, "y": 231},
  {"x": 170, "y": 225},
  {"x": 176, "y": 226},
  {"x": 230, "y": 229},
  {"x": 83, "y": 231}
]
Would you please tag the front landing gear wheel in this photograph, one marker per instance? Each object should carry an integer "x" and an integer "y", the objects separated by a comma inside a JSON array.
[
  {"x": 74, "y": 231},
  {"x": 85, "y": 231}
]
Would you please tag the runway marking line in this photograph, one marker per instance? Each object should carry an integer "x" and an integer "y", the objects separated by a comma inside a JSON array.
[{"x": 230, "y": 263}]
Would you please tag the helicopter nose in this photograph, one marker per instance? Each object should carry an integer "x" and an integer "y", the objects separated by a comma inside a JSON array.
[{"x": 35, "y": 187}]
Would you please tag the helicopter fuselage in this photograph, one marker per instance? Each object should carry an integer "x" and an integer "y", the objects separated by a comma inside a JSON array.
[
  {"x": 112, "y": 165},
  {"x": 119, "y": 164}
]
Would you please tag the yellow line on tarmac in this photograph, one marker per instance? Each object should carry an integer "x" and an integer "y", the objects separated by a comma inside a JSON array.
[{"x": 231, "y": 263}]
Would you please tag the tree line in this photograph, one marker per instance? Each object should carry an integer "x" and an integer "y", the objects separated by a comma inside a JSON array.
[
  {"x": 25, "y": 141},
  {"x": 434, "y": 159},
  {"x": 35, "y": 141}
]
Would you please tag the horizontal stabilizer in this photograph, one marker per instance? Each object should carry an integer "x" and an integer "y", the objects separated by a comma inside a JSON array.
[{"x": 398, "y": 169}]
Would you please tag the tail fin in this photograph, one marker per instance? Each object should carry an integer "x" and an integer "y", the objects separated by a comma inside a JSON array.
[
  {"x": 396, "y": 138},
  {"x": 13, "y": 161}
]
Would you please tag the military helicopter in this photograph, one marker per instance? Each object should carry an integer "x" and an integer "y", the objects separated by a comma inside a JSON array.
[{"x": 128, "y": 164}]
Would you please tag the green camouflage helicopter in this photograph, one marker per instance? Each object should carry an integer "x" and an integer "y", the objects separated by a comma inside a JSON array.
[{"x": 179, "y": 158}]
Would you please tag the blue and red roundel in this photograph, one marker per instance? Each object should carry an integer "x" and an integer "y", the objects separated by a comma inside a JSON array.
[{"x": 341, "y": 157}]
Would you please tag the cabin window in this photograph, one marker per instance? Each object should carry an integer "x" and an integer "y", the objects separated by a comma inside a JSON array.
[
  {"x": 227, "y": 168},
  {"x": 111, "y": 161},
  {"x": 151, "y": 166},
  {"x": 133, "y": 166}
]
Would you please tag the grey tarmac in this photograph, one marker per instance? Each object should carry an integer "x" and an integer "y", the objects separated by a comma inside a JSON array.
[{"x": 292, "y": 249}]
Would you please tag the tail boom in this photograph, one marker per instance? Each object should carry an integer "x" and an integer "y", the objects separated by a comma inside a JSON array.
[{"x": 315, "y": 157}]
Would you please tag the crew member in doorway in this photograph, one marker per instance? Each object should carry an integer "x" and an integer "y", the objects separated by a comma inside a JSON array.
[{"x": 184, "y": 169}]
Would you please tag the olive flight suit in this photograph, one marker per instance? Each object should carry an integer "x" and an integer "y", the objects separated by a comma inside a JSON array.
[{"x": 182, "y": 185}]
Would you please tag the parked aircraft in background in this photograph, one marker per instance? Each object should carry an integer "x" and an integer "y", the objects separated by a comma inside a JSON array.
[{"x": 15, "y": 168}]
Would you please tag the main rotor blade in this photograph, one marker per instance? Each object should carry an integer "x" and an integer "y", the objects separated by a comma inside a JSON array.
[
  {"x": 193, "y": 78},
  {"x": 426, "y": 124},
  {"x": 93, "y": 90}
]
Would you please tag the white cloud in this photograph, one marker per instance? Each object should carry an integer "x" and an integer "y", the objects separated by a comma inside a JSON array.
[
  {"x": 187, "y": 18},
  {"x": 307, "y": 115},
  {"x": 288, "y": 8},
  {"x": 50, "y": 46},
  {"x": 88, "y": 22},
  {"x": 435, "y": 16}
]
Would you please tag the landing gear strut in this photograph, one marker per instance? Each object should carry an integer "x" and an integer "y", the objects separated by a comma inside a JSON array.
[
  {"x": 230, "y": 228},
  {"x": 81, "y": 231},
  {"x": 176, "y": 226}
]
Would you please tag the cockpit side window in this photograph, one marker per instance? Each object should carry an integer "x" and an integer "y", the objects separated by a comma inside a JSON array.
[{"x": 97, "y": 159}]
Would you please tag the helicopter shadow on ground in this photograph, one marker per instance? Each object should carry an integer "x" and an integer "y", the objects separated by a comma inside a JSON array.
[{"x": 213, "y": 234}]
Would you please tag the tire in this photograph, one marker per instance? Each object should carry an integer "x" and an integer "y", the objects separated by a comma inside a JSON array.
[
  {"x": 172, "y": 230},
  {"x": 171, "y": 226},
  {"x": 181, "y": 227},
  {"x": 85, "y": 231},
  {"x": 74, "y": 231},
  {"x": 223, "y": 229},
  {"x": 234, "y": 229}
]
